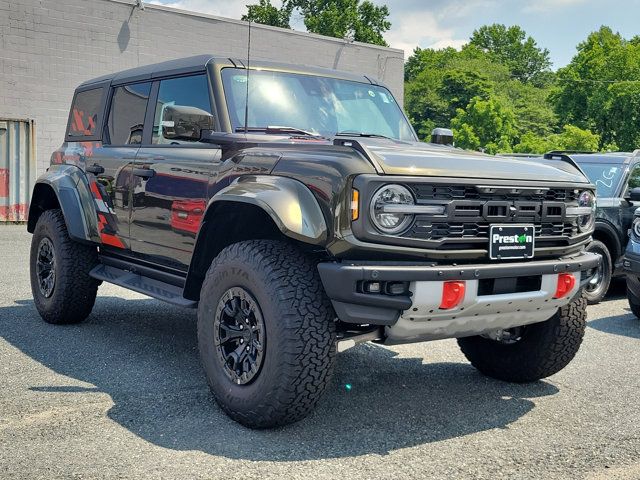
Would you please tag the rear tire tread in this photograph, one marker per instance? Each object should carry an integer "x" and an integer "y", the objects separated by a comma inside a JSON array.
[{"x": 75, "y": 291}]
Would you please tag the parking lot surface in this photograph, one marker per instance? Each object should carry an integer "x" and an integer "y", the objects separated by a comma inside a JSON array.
[{"x": 123, "y": 396}]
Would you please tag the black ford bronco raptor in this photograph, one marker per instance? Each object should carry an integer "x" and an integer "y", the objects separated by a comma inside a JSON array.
[{"x": 304, "y": 221}]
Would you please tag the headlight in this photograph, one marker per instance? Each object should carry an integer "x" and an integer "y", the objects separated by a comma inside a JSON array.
[
  {"x": 385, "y": 204},
  {"x": 588, "y": 221},
  {"x": 635, "y": 228}
]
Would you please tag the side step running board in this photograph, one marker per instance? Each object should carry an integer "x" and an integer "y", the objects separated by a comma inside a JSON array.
[{"x": 145, "y": 285}]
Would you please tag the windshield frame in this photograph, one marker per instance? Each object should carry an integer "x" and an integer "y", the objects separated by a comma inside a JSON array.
[{"x": 338, "y": 77}]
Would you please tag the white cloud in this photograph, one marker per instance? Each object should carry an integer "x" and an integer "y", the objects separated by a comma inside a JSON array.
[
  {"x": 550, "y": 5},
  {"x": 421, "y": 29}
]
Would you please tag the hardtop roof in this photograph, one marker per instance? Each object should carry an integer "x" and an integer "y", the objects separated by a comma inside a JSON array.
[{"x": 198, "y": 63}]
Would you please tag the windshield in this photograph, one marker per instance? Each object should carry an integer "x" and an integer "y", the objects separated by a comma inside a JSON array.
[
  {"x": 605, "y": 176},
  {"x": 320, "y": 105}
]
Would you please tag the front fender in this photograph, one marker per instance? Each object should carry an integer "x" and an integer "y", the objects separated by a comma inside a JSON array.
[
  {"x": 288, "y": 202},
  {"x": 70, "y": 186}
]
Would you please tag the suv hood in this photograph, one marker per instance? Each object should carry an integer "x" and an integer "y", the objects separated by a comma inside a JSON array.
[{"x": 427, "y": 159}]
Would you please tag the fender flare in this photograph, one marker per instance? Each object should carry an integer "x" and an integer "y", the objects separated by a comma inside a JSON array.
[
  {"x": 71, "y": 188},
  {"x": 608, "y": 229},
  {"x": 288, "y": 202}
]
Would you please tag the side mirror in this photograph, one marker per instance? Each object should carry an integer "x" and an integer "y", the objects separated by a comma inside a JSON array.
[
  {"x": 634, "y": 194},
  {"x": 180, "y": 122},
  {"x": 442, "y": 136}
]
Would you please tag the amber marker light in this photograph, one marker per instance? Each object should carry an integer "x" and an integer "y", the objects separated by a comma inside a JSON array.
[{"x": 355, "y": 204}]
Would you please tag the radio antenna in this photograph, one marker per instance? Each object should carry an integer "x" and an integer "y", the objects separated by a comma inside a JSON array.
[{"x": 246, "y": 103}]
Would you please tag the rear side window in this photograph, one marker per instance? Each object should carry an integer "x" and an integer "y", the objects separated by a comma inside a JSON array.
[
  {"x": 125, "y": 123},
  {"x": 183, "y": 108},
  {"x": 84, "y": 113}
]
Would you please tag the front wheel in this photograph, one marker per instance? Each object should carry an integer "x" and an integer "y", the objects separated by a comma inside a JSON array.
[
  {"x": 266, "y": 333},
  {"x": 529, "y": 353},
  {"x": 597, "y": 287}
]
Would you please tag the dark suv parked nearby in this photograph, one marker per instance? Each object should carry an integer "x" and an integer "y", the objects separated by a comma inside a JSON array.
[
  {"x": 615, "y": 175},
  {"x": 316, "y": 223}
]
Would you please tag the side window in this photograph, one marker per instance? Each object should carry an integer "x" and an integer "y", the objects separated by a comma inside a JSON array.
[
  {"x": 634, "y": 178},
  {"x": 84, "y": 113},
  {"x": 126, "y": 114},
  {"x": 183, "y": 110}
]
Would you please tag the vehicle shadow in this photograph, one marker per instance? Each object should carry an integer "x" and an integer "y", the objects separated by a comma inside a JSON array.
[
  {"x": 625, "y": 325},
  {"x": 143, "y": 354}
]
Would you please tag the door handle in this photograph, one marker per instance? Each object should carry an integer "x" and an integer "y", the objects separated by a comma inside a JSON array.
[
  {"x": 95, "y": 169},
  {"x": 144, "y": 172}
]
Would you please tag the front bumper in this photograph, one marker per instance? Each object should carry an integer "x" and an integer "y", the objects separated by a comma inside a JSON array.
[{"x": 417, "y": 317}]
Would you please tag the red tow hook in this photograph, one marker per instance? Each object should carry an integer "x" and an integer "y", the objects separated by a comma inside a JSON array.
[
  {"x": 452, "y": 294},
  {"x": 566, "y": 282}
]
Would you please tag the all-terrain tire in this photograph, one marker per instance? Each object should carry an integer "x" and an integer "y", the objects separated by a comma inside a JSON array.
[
  {"x": 633, "y": 294},
  {"x": 545, "y": 348},
  {"x": 299, "y": 321},
  {"x": 74, "y": 291},
  {"x": 595, "y": 293}
]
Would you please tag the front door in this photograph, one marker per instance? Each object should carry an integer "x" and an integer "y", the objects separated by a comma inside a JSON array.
[
  {"x": 172, "y": 175},
  {"x": 110, "y": 168}
]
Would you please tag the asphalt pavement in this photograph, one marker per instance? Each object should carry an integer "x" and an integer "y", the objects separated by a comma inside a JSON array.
[{"x": 123, "y": 396}]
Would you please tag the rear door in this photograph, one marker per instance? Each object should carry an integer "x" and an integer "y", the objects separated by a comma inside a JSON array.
[
  {"x": 111, "y": 164},
  {"x": 173, "y": 171}
]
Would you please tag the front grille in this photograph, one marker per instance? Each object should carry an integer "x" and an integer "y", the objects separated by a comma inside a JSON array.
[
  {"x": 471, "y": 210},
  {"x": 427, "y": 230},
  {"x": 470, "y": 192}
]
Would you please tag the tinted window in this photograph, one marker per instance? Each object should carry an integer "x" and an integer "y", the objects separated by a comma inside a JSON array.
[
  {"x": 84, "y": 113},
  {"x": 634, "y": 178},
  {"x": 183, "y": 107},
  {"x": 605, "y": 176},
  {"x": 126, "y": 115}
]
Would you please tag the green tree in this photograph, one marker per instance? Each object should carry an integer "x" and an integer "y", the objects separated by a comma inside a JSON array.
[
  {"x": 485, "y": 124},
  {"x": 598, "y": 89},
  {"x": 512, "y": 47},
  {"x": 364, "y": 22},
  {"x": 571, "y": 138},
  {"x": 360, "y": 21},
  {"x": 575, "y": 138},
  {"x": 268, "y": 14}
]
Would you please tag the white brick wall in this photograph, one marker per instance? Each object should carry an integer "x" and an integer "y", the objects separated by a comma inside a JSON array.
[{"x": 48, "y": 47}]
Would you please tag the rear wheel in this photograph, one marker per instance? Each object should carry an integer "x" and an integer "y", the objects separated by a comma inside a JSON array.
[
  {"x": 597, "y": 287},
  {"x": 266, "y": 333},
  {"x": 63, "y": 291},
  {"x": 633, "y": 294},
  {"x": 529, "y": 353}
]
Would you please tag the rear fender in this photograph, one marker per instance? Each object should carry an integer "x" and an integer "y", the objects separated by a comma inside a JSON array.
[{"x": 71, "y": 189}]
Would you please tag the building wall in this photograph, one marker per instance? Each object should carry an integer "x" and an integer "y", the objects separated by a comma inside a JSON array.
[{"x": 48, "y": 47}]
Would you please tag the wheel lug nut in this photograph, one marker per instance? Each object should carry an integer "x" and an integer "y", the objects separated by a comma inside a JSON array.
[
  {"x": 241, "y": 327},
  {"x": 248, "y": 349},
  {"x": 241, "y": 340}
]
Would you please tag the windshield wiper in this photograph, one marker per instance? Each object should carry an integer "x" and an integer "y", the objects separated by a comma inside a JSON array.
[
  {"x": 352, "y": 133},
  {"x": 275, "y": 129}
]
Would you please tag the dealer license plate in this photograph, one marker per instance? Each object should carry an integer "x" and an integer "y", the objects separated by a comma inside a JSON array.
[{"x": 511, "y": 241}]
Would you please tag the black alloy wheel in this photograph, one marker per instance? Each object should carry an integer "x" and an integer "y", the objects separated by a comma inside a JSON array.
[
  {"x": 239, "y": 335},
  {"x": 46, "y": 267}
]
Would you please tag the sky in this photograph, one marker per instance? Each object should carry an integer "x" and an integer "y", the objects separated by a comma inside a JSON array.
[{"x": 558, "y": 25}]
